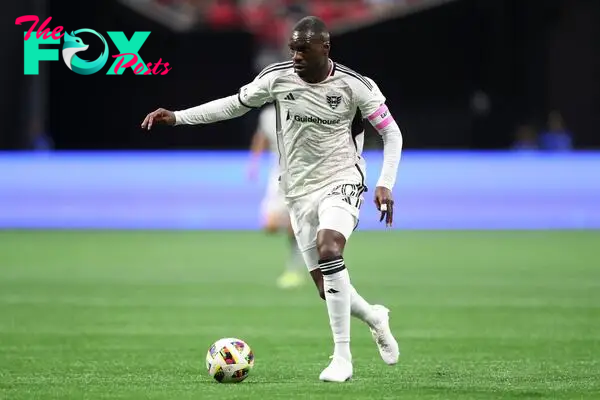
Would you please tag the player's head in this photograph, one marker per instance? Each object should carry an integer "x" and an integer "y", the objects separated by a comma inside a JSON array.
[{"x": 309, "y": 45}]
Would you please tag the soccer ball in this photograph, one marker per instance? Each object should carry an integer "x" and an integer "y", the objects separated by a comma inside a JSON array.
[{"x": 229, "y": 360}]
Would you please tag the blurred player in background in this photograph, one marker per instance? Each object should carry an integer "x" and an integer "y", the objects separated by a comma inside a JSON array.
[{"x": 275, "y": 216}]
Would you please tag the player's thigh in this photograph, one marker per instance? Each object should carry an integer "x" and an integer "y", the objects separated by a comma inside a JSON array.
[
  {"x": 339, "y": 209},
  {"x": 338, "y": 218}
]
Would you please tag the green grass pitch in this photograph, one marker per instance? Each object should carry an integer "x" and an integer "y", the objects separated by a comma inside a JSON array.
[{"x": 130, "y": 315}]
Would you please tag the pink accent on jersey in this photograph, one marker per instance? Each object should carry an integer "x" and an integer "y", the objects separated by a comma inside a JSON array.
[
  {"x": 383, "y": 108},
  {"x": 384, "y": 123}
]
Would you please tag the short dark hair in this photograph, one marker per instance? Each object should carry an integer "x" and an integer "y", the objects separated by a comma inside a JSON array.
[{"x": 313, "y": 24}]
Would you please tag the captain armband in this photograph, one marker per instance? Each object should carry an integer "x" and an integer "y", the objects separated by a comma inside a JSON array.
[{"x": 381, "y": 118}]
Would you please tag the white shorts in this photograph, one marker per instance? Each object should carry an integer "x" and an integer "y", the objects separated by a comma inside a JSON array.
[
  {"x": 335, "y": 207},
  {"x": 273, "y": 203}
]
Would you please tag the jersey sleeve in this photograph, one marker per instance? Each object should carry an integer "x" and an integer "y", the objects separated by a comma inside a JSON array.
[
  {"x": 258, "y": 92},
  {"x": 371, "y": 102}
]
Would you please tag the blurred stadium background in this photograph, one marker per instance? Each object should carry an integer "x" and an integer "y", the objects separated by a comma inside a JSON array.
[{"x": 114, "y": 281}]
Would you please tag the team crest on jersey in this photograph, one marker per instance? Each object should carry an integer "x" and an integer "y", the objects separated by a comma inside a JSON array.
[{"x": 334, "y": 100}]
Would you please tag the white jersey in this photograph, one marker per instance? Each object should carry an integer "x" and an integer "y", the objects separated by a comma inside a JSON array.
[{"x": 316, "y": 123}]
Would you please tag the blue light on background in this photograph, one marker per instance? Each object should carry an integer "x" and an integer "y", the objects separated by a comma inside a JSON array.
[{"x": 209, "y": 190}]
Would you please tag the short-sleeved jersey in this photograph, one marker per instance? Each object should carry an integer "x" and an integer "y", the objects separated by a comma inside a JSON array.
[{"x": 317, "y": 124}]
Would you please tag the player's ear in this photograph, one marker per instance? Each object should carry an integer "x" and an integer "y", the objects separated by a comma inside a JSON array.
[{"x": 326, "y": 47}]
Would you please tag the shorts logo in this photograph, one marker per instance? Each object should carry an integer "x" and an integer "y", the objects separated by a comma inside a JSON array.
[
  {"x": 350, "y": 193},
  {"x": 334, "y": 100}
]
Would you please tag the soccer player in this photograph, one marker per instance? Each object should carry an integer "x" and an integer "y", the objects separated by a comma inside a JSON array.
[
  {"x": 274, "y": 211},
  {"x": 322, "y": 173}
]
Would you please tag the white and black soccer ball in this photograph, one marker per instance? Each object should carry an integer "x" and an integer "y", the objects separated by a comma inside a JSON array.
[{"x": 229, "y": 360}]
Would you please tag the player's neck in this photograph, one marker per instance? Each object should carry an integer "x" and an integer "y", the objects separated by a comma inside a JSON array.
[{"x": 323, "y": 74}]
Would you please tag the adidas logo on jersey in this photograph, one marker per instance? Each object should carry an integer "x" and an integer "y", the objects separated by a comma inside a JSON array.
[
  {"x": 290, "y": 97},
  {"x": 316, "y": 120}
]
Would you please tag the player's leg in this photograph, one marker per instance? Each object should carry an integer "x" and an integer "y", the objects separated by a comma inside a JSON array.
[
  {"x": 337, "y": 289},
  {"x": 375, "y": 316},
  {"x": 293, "y": 274},
  {"x": 338, "y": 217},
  {"x": 359, "y": 307},
  {"x": 275, "y": 220}
]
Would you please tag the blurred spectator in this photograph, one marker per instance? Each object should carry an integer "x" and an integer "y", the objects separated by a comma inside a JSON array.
[
  {"x": 526, "y": 138},
  {"x": 263, "y": 17},
  {"x": 480, "y": 103},
  {"x": 557, "y": 137},
  {"x": 382, "y": 5},
  {"x": 222, "y": 14},
  {"x": 38, "y": 139}
]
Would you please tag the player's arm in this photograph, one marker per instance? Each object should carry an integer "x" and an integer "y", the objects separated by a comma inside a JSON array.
[
  {"x": 215, "y": 111},
  {"x": 372, "y": 105},
  {"x": 252, "y": 95}
]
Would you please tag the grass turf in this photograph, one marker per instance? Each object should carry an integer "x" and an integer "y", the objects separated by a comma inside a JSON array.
[{"x": 479, "y": 315}]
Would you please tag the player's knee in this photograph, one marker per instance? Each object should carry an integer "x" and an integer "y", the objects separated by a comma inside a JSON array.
[
  {"x": 330, "y": 245},
  {"x": 329, "y": 251}
]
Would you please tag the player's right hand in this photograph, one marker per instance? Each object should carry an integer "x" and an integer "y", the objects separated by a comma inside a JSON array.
[{"x": 160, "y": 116}]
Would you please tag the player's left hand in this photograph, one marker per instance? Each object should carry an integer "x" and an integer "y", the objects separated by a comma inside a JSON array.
[
  {"x": 160, "y": 116},
  {"x": 385, "y": 203}
]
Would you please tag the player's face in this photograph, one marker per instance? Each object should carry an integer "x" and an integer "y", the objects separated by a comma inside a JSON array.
[{"x": 308, "y": 52}]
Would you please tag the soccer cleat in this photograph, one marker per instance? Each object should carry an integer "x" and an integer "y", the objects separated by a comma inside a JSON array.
[
  {"x": 387, "y": 344},
  {"x": 339, "y": 370},
  {"x": 290, "y": 279}
]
